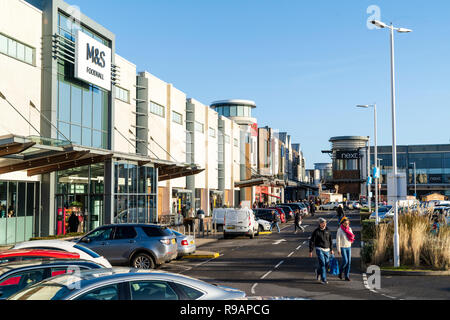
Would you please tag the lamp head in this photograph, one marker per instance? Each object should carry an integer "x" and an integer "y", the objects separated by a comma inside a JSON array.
[
  {"x": 403, "y": 30},
  {"x": 379, "y": 24}
]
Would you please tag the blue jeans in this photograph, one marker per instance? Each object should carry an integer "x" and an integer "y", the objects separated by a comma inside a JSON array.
[
  {"x": 276, "y": 225},
  {"x": 324, "y": 261},
  {"x": 346, "y": 261}
]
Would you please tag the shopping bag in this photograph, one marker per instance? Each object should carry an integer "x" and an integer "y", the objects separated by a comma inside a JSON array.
[{"x": 333, "y": 266}]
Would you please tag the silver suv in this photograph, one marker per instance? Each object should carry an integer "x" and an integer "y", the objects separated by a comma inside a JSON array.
[{"x": 142, "y": 246}]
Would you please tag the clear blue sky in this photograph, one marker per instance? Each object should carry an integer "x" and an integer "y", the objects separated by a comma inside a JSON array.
[{"x": 305, "y": 63}]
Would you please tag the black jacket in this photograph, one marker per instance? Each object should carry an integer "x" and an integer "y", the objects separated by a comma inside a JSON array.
[
  {"x": 320, "y": 238},
  {"x": 340, "y": 212}
]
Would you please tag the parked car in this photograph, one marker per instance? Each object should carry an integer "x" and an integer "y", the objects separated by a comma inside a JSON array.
[
  {"x": 266, "y": 214},
  {"x": 282, "y": 214},
  {"x": 289, "y": 211},
  {"x": 240, "y": 222},
  {"x": 126, "y": 284},
  {"x": 185, "y": 244},
  {"x": 329, "y": 206},
  {"x": 297, "y": 206},
  {"x": 263, "y": 225},
  {"x": 142, "y": 246},
  {"x": 354, "y": 205},
  {"x": 31, "y": 254},
  {"x": 18, "y": 275},
  {"x": 383, "y": 213},
  {"x": 68, "y": 246}
]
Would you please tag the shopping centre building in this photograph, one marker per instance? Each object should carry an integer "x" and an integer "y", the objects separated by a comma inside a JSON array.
[
  {"x": 426, "y": 167},
  {"x": 84, "y": 130}
]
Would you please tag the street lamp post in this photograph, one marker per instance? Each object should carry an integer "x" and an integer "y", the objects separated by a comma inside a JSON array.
[
  {"x": 394, "y": 138},
  {"x": 374, "y": 106}
]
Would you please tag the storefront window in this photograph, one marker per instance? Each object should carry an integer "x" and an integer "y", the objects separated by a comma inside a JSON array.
[{"x": 135, "y": 193}]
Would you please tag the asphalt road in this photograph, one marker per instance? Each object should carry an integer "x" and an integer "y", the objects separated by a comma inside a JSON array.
[{"x": 278, "y": 265}]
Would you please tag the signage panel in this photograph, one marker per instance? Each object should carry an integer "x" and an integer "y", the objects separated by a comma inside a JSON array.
[
  {"x": 348, "y": 155},
  {"x": 92, "y": 61}
]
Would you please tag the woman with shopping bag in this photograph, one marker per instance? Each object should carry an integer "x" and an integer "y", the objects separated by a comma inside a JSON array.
[{"x": 344, "y": 240}]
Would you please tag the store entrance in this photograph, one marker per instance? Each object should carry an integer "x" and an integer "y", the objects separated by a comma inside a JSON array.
[{"x": 87, "y": 210}]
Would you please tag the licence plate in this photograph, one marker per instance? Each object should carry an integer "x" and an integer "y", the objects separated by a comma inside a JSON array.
[
  {"x": 231, "y": 228},
  {"x": 174, "y": 241},
  {"x": 192, "y": 242}
]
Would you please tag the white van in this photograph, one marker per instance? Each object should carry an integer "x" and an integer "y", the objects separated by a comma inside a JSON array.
[
  {"x": 218, "y": 217},
  {"x": 240, "y": 222}
]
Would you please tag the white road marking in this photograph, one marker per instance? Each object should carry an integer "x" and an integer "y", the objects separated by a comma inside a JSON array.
[
  {"x": 290, "y": 254},
  {"x": 253, "y": 288},
  {"x": 298, "y": 248},
  {"x": 266, "y": 274},
  {"x": 279, "y": 241},
  {"x": 279, "y": 264}
]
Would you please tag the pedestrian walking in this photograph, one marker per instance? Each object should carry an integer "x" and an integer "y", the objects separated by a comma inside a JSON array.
[
  {"x": 298, "y": 221},
  {"x": 340, "y": 212},
  {"x": 321, "y": 241},
  {"x": 313, "y": 208},
  {"x": 344, "y": 240},
  {"x": 275, "y": 223}
]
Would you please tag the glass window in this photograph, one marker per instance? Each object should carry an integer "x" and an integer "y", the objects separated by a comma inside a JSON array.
[
  {"x": 122, "y": 94},
  {"x": 226, "y": 111},
  {"x": 233, "y": 111},
  {"x": 97, "y": 109},
  {"x": 177, "y": 117},
  {"x": 125, "y": 233},
  {"x": 199, "y": 127},
  {"x": 63, "y": 101},
  {"x": 20, "y": 51},
  {"x": 21, "y": 202},
  {"x": 102, "y": 234},
  {"x": 86, "y": 137},
  {"x": 75, "y": 134},
  {"x": 191, "y": 293},
  {"x": 152, "y": 290},
  {"x": 157, "y": 109},
  {"x": 28, "y": 55},
  {"x": 64, "y": 129},
  {"x": 3, "y": 44},
  {"x": 212, "y": 132},
  {"x": 87, "y": 108},
  {"x": 107, "y": 293},
  {"x": 12, "y": 48},
  {"x": 12, "y": 193},
  {"x": 105, "y": 113},
  {"x": 3, "y": 199},
  {"x": 240, "y": 111},
  {"x": 30, "y": 197},
  {"x": 76, "y": 104},
  {"x": 97, "y": 139},
  {"x": 21, "y": 280}
]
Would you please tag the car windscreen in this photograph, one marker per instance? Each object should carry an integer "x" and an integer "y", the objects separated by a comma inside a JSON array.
[
  {"x": 86, "y": 250},
  {"x": 46, "y": 290}
]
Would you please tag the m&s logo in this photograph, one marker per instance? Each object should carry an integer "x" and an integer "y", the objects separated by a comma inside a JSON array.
[{"x": 96, "y": 56}]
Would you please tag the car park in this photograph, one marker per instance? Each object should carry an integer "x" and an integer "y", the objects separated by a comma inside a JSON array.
[
  {"x": 68, "y": 246},
  {"x": 31, "y": 254},
  {"x": 18, "y": 275},
  {"x": 126, "y": 284},
  {"x": 143, "y": 246},
  {"x": 240, "y": 222},
  {"x": 185, "y": 244}
]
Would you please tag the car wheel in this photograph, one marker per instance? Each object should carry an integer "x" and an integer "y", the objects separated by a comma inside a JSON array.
[
  {"x": 143, "y": 261},
  {"x": 260, "y": 229},
  {"x": 252, "y": 235}
]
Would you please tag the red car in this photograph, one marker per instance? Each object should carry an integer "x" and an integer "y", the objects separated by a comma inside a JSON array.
[
  {"x": 281, "y": 213},
  {"x": 28, "y": 254}
]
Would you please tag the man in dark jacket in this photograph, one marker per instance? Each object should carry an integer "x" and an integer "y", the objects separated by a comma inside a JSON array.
[
  {"x": 298, "y": 221},
  {"x": 321, "y": 241},
  {"x": 340, "y": 212}
]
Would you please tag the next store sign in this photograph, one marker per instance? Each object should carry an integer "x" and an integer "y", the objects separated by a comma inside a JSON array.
[{"x": 92, "y": 61}]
